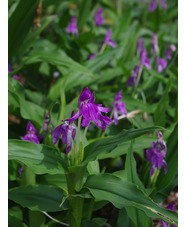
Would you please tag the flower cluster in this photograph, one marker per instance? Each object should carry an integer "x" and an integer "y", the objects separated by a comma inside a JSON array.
[
  {"x": 72, "y": 27},
  {"x": 118, "y": 106},
  {"x": 153, "y": 4},
  {"x": 144, "y": 61},
  {"x": 157, "y": 154},
  {"x": 132, "y": 79},
  {"x": 98, "y": 18},
  {"x": 89, "y": 111},
  {"x": 67, "y": 131}
]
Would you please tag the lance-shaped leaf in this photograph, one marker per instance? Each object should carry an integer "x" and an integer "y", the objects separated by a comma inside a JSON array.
[
  {"x": 104, "y": 146},
  {"x": 138, "y": 216},
  {"x": 38, "y": 197},
  {"x": 122, "y": 193},
  {"x": 20, "y": 23},
  {"x": 39, "y": 158}
]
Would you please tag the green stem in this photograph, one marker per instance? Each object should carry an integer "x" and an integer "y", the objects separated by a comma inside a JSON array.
[
  {"x": 91, "y": 205},
  {"x": 139, "y": 75},
  {"x": 154, "y": 177},
  {"x": 36, "y": 218},
  {"x": 102, "y": 48},
  {"x": 78, "y": 132},
  {"x": 84, "y": 135},
  {"x": 74, "y": 184}
]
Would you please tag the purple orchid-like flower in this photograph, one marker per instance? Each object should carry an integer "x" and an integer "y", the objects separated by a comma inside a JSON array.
[
  {"x": 72, "y": 27},
  {"x": 91, "y": 111},
  {"x": 157, "y": 154},
  {"x": 144, "y": 60},
  {"x": 154, "y": 49},
  {"x": 15, "y": 77},
  {"x": 163, "y": 4},
  {"x": 67, "y": 131},
  {"x": 10, "y": 70},
  {"x": 20, "y": 171},
  {"x": 98, "y": 18},
  {"x": 169, "y": 207},
  {"x": 169, "y": 51},
  {"x": 140, "y": 45},
  {"x": 162, "y": 64},
  {"x": 132, "y": 79},
  {"x": 93, "y": 55},
  {"x": 153, "y": 5},
  {"x": 31, "y": 133},
  {"x": 118, "y": 106},
  {"x": 108, "y": 39}
]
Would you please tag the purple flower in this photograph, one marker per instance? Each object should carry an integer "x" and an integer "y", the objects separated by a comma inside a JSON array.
[
  {"x": 98, "y": 18},
  {"x": 108, "y": 40},
  {"x": 169, "y": 51},
  {"x": 157, "y": 154},
  {"x": 31, "y": 133},
  {"x": 118, "y": 106},
  {"x": 144, "y": 60},
  {"x": 169, "y": 207},
  {"x": 67, "y": 131},
  {"x": 154, "y": 48},
  {"x": 163, "y": 4},
  {"x": 20, "y": 171},
  {"x": 162, "y": 64},
  {"x": 15, "y": 77},
  {"x": 10, "y": 70},
  {"x": 93, "y": 55},
  {"x": 140, "y": 45},
  {"x": 152, "y": 6},
  {"x": 132, "y": 79},
  {"x": 91, "y": 111},
  {"x": 72, "y": 27}
]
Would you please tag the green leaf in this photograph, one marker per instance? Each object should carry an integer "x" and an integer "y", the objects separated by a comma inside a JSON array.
[
  {"x": 136, "y": 215},
  {"x": 122, "y": 148},
  {"x": 84, "y": 12},
  {"x": 20, "y": 23},
  {"x": 122, "y": 23},
  {"x": 159, "y": 114},
  {"x": 58, "y": 180},
  {"x": 33, "y": 34},
  {"x": 15, "y": 222},
  {"x": 28, "y": 110},
  {"x": 39, "y": 158},
  {"x": 38, "y": 197},
  {"x": 122, "y": 194},
  {"x": 101, "y": 60},
  {"x": 104, "y": 146}
]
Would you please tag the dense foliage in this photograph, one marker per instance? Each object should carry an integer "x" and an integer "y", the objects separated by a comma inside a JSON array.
[{"x": 93, "y": 111}]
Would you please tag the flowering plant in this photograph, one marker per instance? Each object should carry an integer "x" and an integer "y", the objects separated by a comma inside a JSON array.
[{"x": 92, "y": 113}]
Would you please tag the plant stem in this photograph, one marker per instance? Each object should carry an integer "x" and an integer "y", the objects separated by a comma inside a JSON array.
[
  {"x": 78, "y": 132},
  {"x": 139, "y": 75},
  {"x": 84, "y": 135},
  {"x": 102, "y": 48},
  {"x": 36, "y": 218},
  {"x": 74, "y": 184}
]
